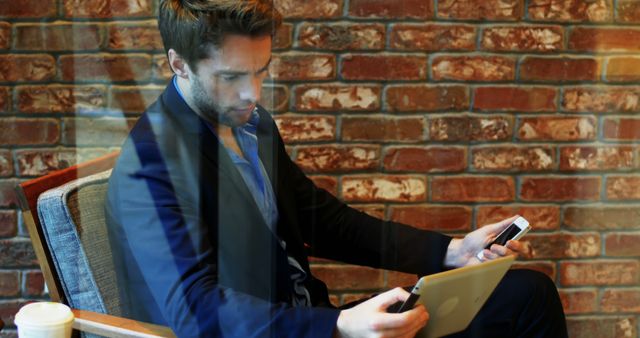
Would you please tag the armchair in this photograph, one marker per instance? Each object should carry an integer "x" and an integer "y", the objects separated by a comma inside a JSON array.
[{"x": 63, "y": 212}]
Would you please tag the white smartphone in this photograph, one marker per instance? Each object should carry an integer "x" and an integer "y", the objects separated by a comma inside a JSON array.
[{"x": 514, "y": 231}]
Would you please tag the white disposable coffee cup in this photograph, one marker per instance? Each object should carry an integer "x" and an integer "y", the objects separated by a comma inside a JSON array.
[{"x": 44, "y": 319}]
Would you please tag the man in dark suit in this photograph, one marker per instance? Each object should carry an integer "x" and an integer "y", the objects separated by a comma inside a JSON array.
[{"x": 211, "y": 223}]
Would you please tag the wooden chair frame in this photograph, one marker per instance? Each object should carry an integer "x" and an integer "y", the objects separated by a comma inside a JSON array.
[{"x": 87, "y": 321}]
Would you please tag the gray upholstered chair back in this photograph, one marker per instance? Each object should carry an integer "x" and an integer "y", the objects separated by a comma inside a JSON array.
[{"x": 72, "y": 216}]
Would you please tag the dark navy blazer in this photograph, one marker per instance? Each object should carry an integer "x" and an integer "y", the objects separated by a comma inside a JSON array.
[{"x": 194, "y": 253}]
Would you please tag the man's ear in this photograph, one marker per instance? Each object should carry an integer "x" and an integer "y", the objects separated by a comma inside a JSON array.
[{"x": 177, "y": 64}]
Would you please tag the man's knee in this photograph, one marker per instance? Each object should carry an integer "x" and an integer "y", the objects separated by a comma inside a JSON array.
[{"x": 532, "y": 281}]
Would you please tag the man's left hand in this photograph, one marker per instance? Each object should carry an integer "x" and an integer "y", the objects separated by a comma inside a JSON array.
[{"x": 463, "y": 251}]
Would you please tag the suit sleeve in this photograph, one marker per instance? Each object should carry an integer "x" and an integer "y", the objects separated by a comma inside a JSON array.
[
  {"x": 336, "y": 231},
  {"x": 171, "y": 266}
]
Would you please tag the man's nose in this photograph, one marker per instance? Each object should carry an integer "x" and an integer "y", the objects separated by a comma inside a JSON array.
[{"x": 252, "y": 89}]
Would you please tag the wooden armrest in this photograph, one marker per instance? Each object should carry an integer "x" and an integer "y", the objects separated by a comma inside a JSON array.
[{"x": 112, "y": 326}]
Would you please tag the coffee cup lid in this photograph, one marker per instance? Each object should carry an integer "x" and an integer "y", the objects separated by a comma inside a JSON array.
[{"x": 43, "y": 313}]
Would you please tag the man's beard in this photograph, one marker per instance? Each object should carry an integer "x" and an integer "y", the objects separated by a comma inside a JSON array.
[{"x": 210, "y": 111}]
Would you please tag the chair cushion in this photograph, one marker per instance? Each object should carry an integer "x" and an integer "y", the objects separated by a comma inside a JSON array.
[{"x": 73, "y": 220}]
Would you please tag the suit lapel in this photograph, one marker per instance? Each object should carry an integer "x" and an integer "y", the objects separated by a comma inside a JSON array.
[{"x": 268, "y": 145}]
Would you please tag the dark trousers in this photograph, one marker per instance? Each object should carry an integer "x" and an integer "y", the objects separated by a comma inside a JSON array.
[{"x": 525, "y": 304}]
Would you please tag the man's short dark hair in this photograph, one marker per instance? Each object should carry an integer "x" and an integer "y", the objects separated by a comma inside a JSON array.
[{"x": 190, "y": 27}]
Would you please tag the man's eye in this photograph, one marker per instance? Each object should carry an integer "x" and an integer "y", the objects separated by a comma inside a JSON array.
[{"x": 229, "y": 77}]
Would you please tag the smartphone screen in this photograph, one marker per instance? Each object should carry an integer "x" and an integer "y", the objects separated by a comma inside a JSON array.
[{"x": 506, "y": 235}]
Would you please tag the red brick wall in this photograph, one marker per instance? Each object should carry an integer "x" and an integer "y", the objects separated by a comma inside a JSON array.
[{"x": 442, "y": 114}]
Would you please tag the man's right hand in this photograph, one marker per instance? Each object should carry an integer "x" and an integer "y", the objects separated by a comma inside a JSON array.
[{"x": 371, "y": 319}]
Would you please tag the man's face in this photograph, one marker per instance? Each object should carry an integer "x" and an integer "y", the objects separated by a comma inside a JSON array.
[{"x": 227, "y": 85}]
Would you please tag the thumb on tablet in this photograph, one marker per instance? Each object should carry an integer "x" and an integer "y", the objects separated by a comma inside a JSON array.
[{"x": 386, "y": 299}]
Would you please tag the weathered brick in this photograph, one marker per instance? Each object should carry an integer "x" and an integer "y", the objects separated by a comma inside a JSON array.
[
  {"x": 5, "y": 35},
  {"x": 383, "y": 67},
  {"x": 105, "y": 67},
  {"x": 42, "y": 161},
  {"x": 309, "y": 9},
  {"x": 33, "y": 283},
  {"x": 384, "y": 188},
  {"x": 598, "y": 327},
  {"x": 5, "y": 99},
  {"x": 540, "y": 217},
  {"x": 621, "y": 128},
  {"x": 9, "y": 283},
  {"x": 275, "y": 98},
  {"x": 571, "y": 10},
  {"x": 400, "y": 9},
  {"x": 628, "y": 11},
  {"x": 596, "y": 158},
  {"x": 20, "y": 131},
  {"x": 470, "y": 127},
  {"x": 399, "y": 279},
  {"x": 602, "y": 217},
  {"x": 380, "y": 128},
  {"x": 623, "y": 187},
  {"x": 160, "y": 68},
  {"x": 564, "y": 245},
  {"x": 302, "y": 66},
  {"x": 560, "y": 188},
  {"x": 578, "y": 301},
  {"x": 33, "y": 67},
  {"x": 133, "y": 99},
  {"x": 105, "y": 131},
  {"x": 17, "y": 253},
  {"x": 8, "y": 196},
  {"x": 534, "y": 99},
  {"x": 431, "y": 37},
  {"x": 559, "y": 69},
  {"x": 600, "y": 272},
  {"x": 473, "y": 68},
  {"x": 513, "y": 158},
  {"x": 332, "y": 158},
  {"x": 106, "y": 9},
  {"x": 592, "y": 39},
  {"x": 375, "y": 210},
  {"x": 547, "y": 268},
  {"x": 480, "y": 9},
  {"x": 283, "y": 38},
  {"x": 430, "y": 217},
  {"x": 622, "y": 244},
  {"x": 28, "y": 9},
  {"x": 327, "y": 183},
  {"x": 337, "y": 97},
  {"x": 341, "y": 36},
  {"x": 472, "y": 189},
  {"x": 557, "y": 128},
  {"x": 523, "y": 38},
  {"x": 306, "y": 128},
  {"x": 349, "y": 277},
  {"x": 6, "y": 163},
  {"x": 425, "y": 159},
  {"x": 140, "y": 35},
  {"x": 60, "y": 98},
  {"x": 601, "y": 99},
  {"x": 621, "y": 300},
  {"x": 412, "y": 98},
  {"x": 58, "y": 36},
  {"x": 623, "y": 69},
  {"x": 8, "y": 223}
]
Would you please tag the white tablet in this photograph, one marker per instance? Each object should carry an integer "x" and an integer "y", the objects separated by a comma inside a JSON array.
[{"x": 454, "y": 297}]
